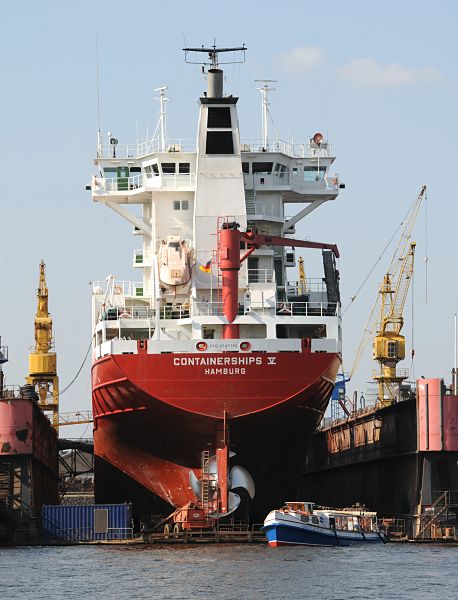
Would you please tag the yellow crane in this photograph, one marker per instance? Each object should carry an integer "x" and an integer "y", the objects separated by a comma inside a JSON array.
[
  {"x": 43, "y": 362},
  {"x": 302, "y": 288},
  {"x": 387, "y": 314}
]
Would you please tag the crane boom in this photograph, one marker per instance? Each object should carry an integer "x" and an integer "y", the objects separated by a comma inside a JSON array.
[{"x": 392, "y": 295}]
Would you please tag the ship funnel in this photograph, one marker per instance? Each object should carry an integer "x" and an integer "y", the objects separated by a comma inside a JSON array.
[{"x": 215, "y": 83}]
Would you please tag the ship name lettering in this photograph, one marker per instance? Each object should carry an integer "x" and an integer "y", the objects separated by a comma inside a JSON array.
[
  {"x": 217, "y": 361},
  {"x": 271, "y": 360},
  {"x": 225, "y": 371}
]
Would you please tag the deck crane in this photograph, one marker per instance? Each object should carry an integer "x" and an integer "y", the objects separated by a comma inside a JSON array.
[{"x": 386, "y": 316}]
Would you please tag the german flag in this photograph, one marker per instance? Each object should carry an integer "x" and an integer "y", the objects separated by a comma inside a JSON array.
[{"x": 206, "y": 268}]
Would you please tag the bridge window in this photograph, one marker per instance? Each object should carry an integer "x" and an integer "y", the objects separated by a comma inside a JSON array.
[
  {"x": 168, "y": 168},
  {"x": 184, "y": 168},
  {"x": 314, "y": 174},
  {"x": 219, "y": 118},
  {"x": 245, "y": 167},
  {"x": 262, "y": 167},
  {"x": 220, "y": 142}
]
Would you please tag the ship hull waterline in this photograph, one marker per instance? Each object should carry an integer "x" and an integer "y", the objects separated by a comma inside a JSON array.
[{"x": 154, "y": 414}]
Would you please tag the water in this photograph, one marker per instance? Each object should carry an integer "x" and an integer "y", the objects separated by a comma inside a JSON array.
[{"x": 228, "y": 572}]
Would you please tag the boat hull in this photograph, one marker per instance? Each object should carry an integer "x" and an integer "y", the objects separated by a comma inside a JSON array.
[
  {"x": 288, "y": 535},
  {"x": 155, "y": 413}
]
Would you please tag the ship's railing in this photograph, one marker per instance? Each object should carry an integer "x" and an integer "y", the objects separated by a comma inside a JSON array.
[
  {"x": 305, "y": 150},
  {"x": 202, "y": 309},
  {"x": 399, "y": 374},
  {"x": 308, "y": 309},
  {"x": 297, "y": 288},
  {"x": 151, "y": 146},
  {"x": 206, "y": 309},
  {"x": 260, "y": 275},
  {"x": 261, "y": 209},
  {"x": 129, "y": 184},
  {"x": 120, "y": 288},
  {"x": 177, "y": 180},
  {"x": 121, "y": 184},
  {"x": 114, "y": 313}
]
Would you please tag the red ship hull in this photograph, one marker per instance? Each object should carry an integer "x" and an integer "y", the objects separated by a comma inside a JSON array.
[{"x": 155, "y": 413}]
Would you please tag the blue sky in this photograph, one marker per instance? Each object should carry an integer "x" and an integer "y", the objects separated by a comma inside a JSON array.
[{"x": 379, "y": 79}]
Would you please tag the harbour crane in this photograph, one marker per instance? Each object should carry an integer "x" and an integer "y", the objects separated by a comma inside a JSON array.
[
  {"x": 386, "y": 317},
  {"x": 43, "y": 362}
]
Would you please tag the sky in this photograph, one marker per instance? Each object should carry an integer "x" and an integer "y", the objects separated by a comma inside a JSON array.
[{"x": 379, "y": 79}]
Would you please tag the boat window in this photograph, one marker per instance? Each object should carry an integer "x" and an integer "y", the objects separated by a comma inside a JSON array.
[
  {"x": 149, "y": 171},
  {"x": 280, "y": 169},
  {"x": 155, "y": 167},
  {"x": 168, "y": 168},
  {"x": 245, "y": 167},
  {"x": 174, "y": 245},
  {"x": 110, "y": 173},
  {"x": 314, "y": 173},
  {"x": 219, "y": 118},
  {"x": 184, "y": 168},
  {"x": 262, "y": 167},
  {"x": 220, "y": 142},
  {"x": 315, "y": 520},
  {"x": 135, "y": 169},
  {"x": 180, "y": 205},
  {"x": 304, "y": 519}
]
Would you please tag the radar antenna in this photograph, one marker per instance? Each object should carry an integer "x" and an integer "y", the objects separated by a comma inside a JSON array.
[{"x": 213, "y": 53}]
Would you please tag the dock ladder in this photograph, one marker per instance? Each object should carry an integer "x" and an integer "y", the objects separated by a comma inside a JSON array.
[{"x": 434, "y": 512}]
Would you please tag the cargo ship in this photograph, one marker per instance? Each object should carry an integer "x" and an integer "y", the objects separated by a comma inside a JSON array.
[{"x": 210, "y": 375}]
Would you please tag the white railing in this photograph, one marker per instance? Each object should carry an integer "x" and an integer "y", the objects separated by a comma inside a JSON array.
[
  {"x": 121, "y": 184},
  {"x": 305, "y": 150},
  {"x": 120, "y": 288},
  {"x": 260, "y": 208},
  {"x": 308, "y": 309},
  {"x": 290, "y": 179},
  {"x": 151, "y": 146},
  {"x": 260, "y": 275},
  {"x": 178, "y": 180},
  {"x": 205, "y": 309},
  {"x": 114, "y": 313},
  {"x": 136, "y": 182},
  {"x": 311, "y": 285}
]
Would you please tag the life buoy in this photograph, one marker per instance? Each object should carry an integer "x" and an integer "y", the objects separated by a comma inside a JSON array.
[
  {"x": 124, "y": 315},
  {"x": 201, "y": 346},
  {"x": 245, "y": 346}
]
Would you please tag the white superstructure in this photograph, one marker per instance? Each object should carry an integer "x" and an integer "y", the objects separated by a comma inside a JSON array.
[{"x": 182, "y": 190}]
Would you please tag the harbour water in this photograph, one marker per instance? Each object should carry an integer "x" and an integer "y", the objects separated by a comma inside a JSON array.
[{"x": 229, "y": 572}]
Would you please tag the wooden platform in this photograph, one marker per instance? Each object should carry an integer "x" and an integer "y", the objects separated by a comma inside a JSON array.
[{"x": 222, "y": 536}]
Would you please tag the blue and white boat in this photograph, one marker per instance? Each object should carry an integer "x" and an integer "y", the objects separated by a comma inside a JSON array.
[{"x": 300, "y": 523}]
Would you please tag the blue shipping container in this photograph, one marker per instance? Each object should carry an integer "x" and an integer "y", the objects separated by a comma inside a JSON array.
[{"x": 87, "y": 523}]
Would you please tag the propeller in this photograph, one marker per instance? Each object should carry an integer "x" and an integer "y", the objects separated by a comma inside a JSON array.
[{"x": 239, "y": 477}]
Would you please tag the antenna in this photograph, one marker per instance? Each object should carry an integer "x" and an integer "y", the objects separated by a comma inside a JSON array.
[
  {"x": 213, "y": 53},
  {"x": 99, "y": 128},
  {"x": 163, "y": 116},
  {"x": 265, "y": 89}
]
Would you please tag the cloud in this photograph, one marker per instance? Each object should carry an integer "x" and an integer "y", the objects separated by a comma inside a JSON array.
[
  {"x": 301, "y": 60},
  {"x": 368, "y": 73}
]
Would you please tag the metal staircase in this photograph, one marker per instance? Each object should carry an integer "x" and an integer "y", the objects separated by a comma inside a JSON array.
[
  {"x": 206, "y": 487},
  {"x": 434, "y": 512},
  {"x": 250, "y": 202}
]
